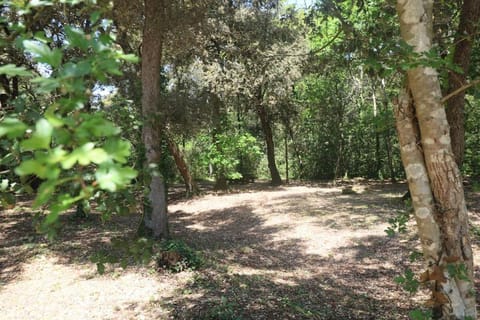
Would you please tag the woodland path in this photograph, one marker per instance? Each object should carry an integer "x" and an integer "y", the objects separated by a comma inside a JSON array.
[{"x": 302, "y": 251}]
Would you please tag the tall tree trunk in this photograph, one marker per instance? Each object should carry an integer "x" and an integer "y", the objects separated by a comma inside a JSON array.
[
  {"x": 267, "y": 131},
  {"x": 286, "y": 159},
  {"x": 387, "y": 137},
  {"x": 378, "y": 157},
  {"x": 437, "y": 192},
  {"x": 218, "y": 114},
  {"x": 182, "y": 166},
  {"x": 155, "y": 206},
  {"x": 464, "y": 40}
]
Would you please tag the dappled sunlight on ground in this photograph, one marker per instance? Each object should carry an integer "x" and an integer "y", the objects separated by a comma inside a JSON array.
[{"x": 294, "y": 252}]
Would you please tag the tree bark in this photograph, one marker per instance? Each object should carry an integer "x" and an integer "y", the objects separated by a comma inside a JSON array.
[
  {"x": 464, "y": 40},
  {"x": 155, "y": 206},
  {"x": 267, "y": 131},
  {"x": 452, "y": 294},
  {"x": 182, "y": 166}
]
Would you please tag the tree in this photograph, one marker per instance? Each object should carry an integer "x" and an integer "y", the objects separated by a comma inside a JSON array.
[
  {"x": 464, "y": 40},
  {"x": 53, "y": 135},
  {"x": 433, "y": 176},
  {"x": 191, "y": 187},
  {"x": 155, "y": 206},
  {"x": 255, "y": 65}
]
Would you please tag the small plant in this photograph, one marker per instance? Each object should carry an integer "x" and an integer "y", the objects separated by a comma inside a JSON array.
[
  {"x": 420, "y": 314},
  {"x": 398, "y": 224},
  {"x": 458, "y": 271},
  {"x": 125, "y": 252},
  {"x": 415, "y": 255},
  {"x": 177, "y": 256},
  {"x": 408, "y": 281}
]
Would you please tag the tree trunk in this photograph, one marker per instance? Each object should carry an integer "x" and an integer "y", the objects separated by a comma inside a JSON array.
[
  {"x": 267, "y": 131},
  {"x": 221, "y": 183},
  {"x": 464, "y": 39},
  {"x": 286, "y": 159},
  {"x": 190, "y": 185},
  {"x": 378, "y": 157},
  {"x": 437, "y": 192},
  {"x": 155, "y": 206},
  {"x": 388, "y": 136}
]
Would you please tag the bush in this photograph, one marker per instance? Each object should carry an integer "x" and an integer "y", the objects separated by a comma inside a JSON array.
[{"x": 177, "y": 256}]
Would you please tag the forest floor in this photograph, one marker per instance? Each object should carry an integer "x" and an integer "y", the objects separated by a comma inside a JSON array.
[{"x": 300, "y": 251}]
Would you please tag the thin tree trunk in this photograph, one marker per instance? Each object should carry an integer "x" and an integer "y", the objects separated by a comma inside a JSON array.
[
  {"x": 267, "y": 131},
  {"x": 286, "y": 159},
  {"x": 464, "y": 40},
  {"x": 453, "y": 295},
  {"x": 155, "y": 206},
  {"x": 221, "y": 182},
  {"x": 387, "y": 137},
  {"x": 190, "y": 185},
  {"x": 378, "y": 158}
]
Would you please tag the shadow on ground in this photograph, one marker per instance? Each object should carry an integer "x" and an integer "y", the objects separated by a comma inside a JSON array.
[
  {"x": 76, "y": 241},
  {"x": 249, "y": 272},
  {"x": 253, "y": 276}
]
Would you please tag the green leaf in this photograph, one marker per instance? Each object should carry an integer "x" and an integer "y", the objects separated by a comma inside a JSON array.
[
  {"x": 41, "y": 138},
  {"x": 4, "y": 185},
  {"x": 44, "y": 193},
  {"x": 12, "y": 128},
  {"x": 40, "y": 3},
  {"x": 76, "y": 38},
  {"x": 399, "y": 280},
  {"x": 128, "y": 57},
  {"x": 32, "y": 166},
  {"x": 95, "y": 16},
  {"x": 420, "y": 315},
  {"x": 97, "y": 126},
  {"x": 75, "y": 70},
  {"x": 118, "y": 150},
  {"x": 46, "y": 85},
  {"x": 13, "y": 70},
  {"x": 85, "y": 155},
  {"x": 56, "y": 155},
  {"x": 51, "y": 218},
  {"x": 43, "y": 53},
  {"x": 112, "y": 177}
]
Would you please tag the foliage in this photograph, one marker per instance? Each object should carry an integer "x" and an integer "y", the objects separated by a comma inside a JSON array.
[
  {"x": 408, "y": 281},
  {"x": 341, "y": 132},
  {"x": 398, "y": 224},
  {"x": 75, "y": 153},
  {"x": 420, "y": 314},
  {"x": 174, "y": 255},
  {"x": 458, "y": 271},
  {"x": 187, "y": 258},
  {"x": 232, "y": 155},
  {"x": 471, "y": 164},
  {"x": 124, "y": 252}
]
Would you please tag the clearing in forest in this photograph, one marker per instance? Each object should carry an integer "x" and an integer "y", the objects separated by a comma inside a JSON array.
[{"x": 292, "y": 252}]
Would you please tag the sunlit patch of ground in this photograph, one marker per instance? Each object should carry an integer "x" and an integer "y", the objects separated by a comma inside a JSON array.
[{"x": 293, "y": 252}]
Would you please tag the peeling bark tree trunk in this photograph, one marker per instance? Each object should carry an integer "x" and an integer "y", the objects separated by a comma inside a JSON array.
[
  {"x": 190, "y": 185},
  {"x": 155, "y": 206},
  {"x": 433, "y": 175},
  {"x": 267, "y": 131},
  {"x": 466, "y": 33}
]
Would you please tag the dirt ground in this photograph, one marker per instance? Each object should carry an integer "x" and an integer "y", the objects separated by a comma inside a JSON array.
[{"x": 302, "y": 251}]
